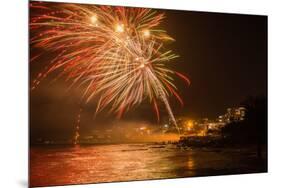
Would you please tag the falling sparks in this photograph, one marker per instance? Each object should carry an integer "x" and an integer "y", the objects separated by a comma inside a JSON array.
[
  {"x": 77, "y": 128},
  {"x": 110, "y": 51}
]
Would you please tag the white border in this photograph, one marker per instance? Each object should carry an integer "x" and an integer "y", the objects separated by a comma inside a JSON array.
[
  {"x": 203, "y": 5},
  {"x": 14, "y": 93}
]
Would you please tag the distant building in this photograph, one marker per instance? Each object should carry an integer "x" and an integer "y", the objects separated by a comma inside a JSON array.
[{"x": 235, "y": 114}]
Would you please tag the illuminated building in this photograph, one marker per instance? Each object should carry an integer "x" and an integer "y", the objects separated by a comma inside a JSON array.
[{"x": 235, "y": 114}]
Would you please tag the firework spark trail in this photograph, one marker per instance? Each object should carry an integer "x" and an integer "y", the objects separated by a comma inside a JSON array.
[
  {"x": 165, "y": 101},
  {"x": 116, "y": 53},
  {"x": 77, "y": 128},
  {"x": 168, "y": 107}
]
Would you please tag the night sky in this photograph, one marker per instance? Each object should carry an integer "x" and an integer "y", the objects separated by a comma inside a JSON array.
[{"x": 224, "y": 55}]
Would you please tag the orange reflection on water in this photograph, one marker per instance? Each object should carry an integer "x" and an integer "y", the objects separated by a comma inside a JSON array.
[{"x": 190, "y": 163}]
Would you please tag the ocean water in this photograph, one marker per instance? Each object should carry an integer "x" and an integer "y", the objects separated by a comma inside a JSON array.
[{"x": 64, "y": 165}]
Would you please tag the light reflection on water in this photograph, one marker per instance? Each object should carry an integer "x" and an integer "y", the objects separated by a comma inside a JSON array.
[
  {"x": 126, "y": 162},
  {"x": 190, "y": 163}
]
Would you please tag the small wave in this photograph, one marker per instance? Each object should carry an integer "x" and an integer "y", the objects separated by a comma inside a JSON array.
[{"x": 125, "y": 150}]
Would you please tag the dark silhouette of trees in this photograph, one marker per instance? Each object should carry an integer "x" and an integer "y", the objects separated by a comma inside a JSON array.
[{"x": 252, "y": 130}]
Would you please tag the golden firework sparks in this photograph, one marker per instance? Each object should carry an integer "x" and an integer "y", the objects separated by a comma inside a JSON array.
[{"x": 117, "y": 53}]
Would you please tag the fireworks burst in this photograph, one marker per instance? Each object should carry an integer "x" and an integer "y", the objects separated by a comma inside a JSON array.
[{"x": 116, "y": 53}]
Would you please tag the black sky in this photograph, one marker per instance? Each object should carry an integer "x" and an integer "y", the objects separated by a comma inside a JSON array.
[{"x": 224, "y": 55}]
